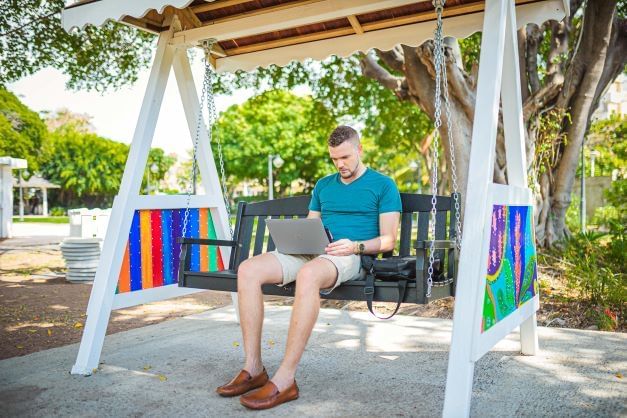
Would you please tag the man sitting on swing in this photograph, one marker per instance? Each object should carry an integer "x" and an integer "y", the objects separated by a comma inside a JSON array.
[{"x": 361, "y": 208}]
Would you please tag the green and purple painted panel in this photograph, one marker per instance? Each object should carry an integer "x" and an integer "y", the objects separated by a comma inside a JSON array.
[{"x": 511, "y": 278}]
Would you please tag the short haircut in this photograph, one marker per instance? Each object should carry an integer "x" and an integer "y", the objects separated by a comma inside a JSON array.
[{"x": 342, "y": 134}]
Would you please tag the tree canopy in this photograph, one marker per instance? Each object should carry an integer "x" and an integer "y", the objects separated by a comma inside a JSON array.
[
  {"x": 89, "y": 168},
  {"x": 22, "y": 132},
  {"x": 276, "y": 122},
  {"x": 100, "y": 58}
]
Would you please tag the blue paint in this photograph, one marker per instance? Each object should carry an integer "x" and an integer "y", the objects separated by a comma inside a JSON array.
[{"x": 135, "y": 253}]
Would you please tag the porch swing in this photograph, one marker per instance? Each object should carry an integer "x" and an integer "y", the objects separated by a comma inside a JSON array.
[{"x": 430, "y": 224}]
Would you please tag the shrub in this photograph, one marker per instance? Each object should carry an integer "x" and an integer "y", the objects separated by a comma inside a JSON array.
[
  {"x": 57, "y": 211},
  {"x": 599, "y": 259}
]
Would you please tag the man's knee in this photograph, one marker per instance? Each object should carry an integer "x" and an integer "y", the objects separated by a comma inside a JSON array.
[
  {"x": 261, "y": 269},
  {"x": 310, "y": 279},
  {"x": 246, "y": 274}
]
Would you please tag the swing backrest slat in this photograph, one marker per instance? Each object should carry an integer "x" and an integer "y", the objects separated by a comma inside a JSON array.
[
  {"x": 260, "y": 234},
  {"x": 406, "y": 229}
]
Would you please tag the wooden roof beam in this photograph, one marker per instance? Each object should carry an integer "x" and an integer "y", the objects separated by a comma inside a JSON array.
[
  {"x": 334, "y": 33},
  {"x": 218, "y": 51},
  {"x": 202, "y": 8},
  {"x": 355, "y": 24},
  {"x": 263, "y": 10},
  {"x": 305, "y": 14}
]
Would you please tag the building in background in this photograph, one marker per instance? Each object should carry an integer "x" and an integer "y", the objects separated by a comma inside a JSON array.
[
  {"x": 614, "y": 101},
  {"x": 7, "y": 165}
]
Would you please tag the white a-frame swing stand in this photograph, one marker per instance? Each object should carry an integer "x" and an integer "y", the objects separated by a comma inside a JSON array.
[
  {"x": 486, "y": 204},
  {"x": 478, "y": 322},
  {"x": 104, "y": 298}
]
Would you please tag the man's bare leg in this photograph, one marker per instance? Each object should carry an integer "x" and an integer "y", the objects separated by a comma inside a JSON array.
[
  {"x": 252, "y": 273},
  {"x": 317, "y": 274}
]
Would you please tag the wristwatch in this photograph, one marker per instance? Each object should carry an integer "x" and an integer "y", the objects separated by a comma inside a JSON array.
[{"x": 360, "y": 247}]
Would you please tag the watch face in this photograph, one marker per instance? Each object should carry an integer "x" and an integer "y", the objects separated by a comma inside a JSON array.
[{"x": 362, "y": 247}]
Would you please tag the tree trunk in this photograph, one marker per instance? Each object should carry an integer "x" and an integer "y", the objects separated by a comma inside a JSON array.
[
  {"x": 577, "y": 98},
  {"x": 571, "y": 86}
]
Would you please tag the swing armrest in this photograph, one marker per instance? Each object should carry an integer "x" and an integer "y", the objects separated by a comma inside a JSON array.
[
  {"x": 185, "y": 260},
  {"x": 437, "y": 244},
  {"x": 206, "y": 241}
]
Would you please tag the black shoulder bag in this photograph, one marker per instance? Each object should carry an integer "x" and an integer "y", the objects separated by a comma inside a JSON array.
[{"x": 398, "y": 269}]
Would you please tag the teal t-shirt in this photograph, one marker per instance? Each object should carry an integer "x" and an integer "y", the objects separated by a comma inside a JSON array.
[{"x": 352, "y": 210}]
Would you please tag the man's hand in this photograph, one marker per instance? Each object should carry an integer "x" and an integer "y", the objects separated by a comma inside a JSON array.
[{"x": 341, "y": 247}]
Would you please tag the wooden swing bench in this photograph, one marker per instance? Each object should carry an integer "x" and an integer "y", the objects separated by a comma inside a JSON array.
[{"x": 416, "y": 207}]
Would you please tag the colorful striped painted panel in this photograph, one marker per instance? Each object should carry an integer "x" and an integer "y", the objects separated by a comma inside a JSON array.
[{"x": 151, "y": 257}]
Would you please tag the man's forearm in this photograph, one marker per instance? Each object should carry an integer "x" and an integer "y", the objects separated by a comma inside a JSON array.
[{"x": 381, "y": 244}]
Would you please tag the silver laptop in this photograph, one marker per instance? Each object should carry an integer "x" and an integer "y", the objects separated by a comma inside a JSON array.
[{"x": 299, "y": 236}]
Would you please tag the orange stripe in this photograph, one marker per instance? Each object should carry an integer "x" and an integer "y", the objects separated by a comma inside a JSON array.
[
  {"x": 203, "y": 233},
  {"x": 124, "y": 281},
  {"x": 146, "y": 246}
]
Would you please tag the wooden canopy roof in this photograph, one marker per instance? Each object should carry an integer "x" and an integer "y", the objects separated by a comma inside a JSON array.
[{"x": 254, "y": 33}]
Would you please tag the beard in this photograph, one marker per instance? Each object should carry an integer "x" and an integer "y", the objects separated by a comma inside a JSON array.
[{"x": 348, "y": 173}]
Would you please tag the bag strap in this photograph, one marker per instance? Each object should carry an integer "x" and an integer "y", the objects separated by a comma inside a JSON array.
[
  {"x": 369, "y": 292},
  {"x": 367, "y": 262}
]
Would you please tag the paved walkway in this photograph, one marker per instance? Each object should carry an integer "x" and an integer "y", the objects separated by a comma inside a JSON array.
[
  {"x": 39, "y": 229},
  {"x": 354, "y": 366}
]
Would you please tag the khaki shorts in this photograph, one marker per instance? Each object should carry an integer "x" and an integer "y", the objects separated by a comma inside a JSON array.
[{"x": 348, "y": 267}]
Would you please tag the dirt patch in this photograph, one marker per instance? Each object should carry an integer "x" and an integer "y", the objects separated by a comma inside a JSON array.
[{"x": 40, "y": 310}]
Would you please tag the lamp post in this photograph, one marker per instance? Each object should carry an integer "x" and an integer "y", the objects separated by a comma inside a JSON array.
[
  {"x": 277, "y": 161},
  {"x": 415, "y": 168},
  {"x": 582, "y": 203},
  {"x": 154, "y": 169}
]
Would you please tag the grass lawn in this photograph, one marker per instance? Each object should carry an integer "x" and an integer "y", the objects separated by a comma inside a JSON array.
[{"x": 43, "y": 219}]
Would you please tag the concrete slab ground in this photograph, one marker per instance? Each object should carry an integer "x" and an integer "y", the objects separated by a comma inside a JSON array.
[
  {"x": 39, "y": 229},
  {"x": 354, "y": 365}
]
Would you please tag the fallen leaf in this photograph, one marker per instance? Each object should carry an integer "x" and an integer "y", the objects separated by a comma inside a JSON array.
[
  {"x": 619, "y": 375},
  {"x": 162, "y": 378},
  {"x": 147, "y": 367},
  {"x": 94, "y": 370},
  {"x": 19, "y": 346},
  {"x": 235, "y": 344},
  {"x": 78, "y": 325},
  {"x": 49, "y": 332},
  {"x": 32, "y": 331},
  {"x": 271, "y": 342}
]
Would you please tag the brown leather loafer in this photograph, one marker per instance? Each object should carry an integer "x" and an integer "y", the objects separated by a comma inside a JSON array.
[
  {"x": 242, "y": 383},
  {"x": 268, "y": 396}
]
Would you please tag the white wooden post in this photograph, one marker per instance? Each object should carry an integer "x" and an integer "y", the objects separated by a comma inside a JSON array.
[
  {"x": 480, "y": 173},
  {"x": 44, "y": 195},
  {"x": 103, "y": 290},
  {"x": 514, "y": 130},
  {"x": 206, "y": 163}
]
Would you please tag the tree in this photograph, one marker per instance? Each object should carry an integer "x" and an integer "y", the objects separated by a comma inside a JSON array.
[
  {"x": 565, "y": 68},
  {"x": 100, "y": 58},
  {"x": 22, "y": 132},
  {"x": 276, "y": 122},
  {"x": 89, "y": 168}
]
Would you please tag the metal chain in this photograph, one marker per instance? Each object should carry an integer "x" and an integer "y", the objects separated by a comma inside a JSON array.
[
  {"x": 449, "y": 128},
  {"x": 441, "y": 83},
  {"x": 207, "y": 96},
  {"x": 437, "y": 36},
  {"x": 213, "y": 133}
]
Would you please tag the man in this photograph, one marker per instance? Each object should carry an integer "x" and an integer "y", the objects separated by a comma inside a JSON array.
[{"x": 361, "y": 209}]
